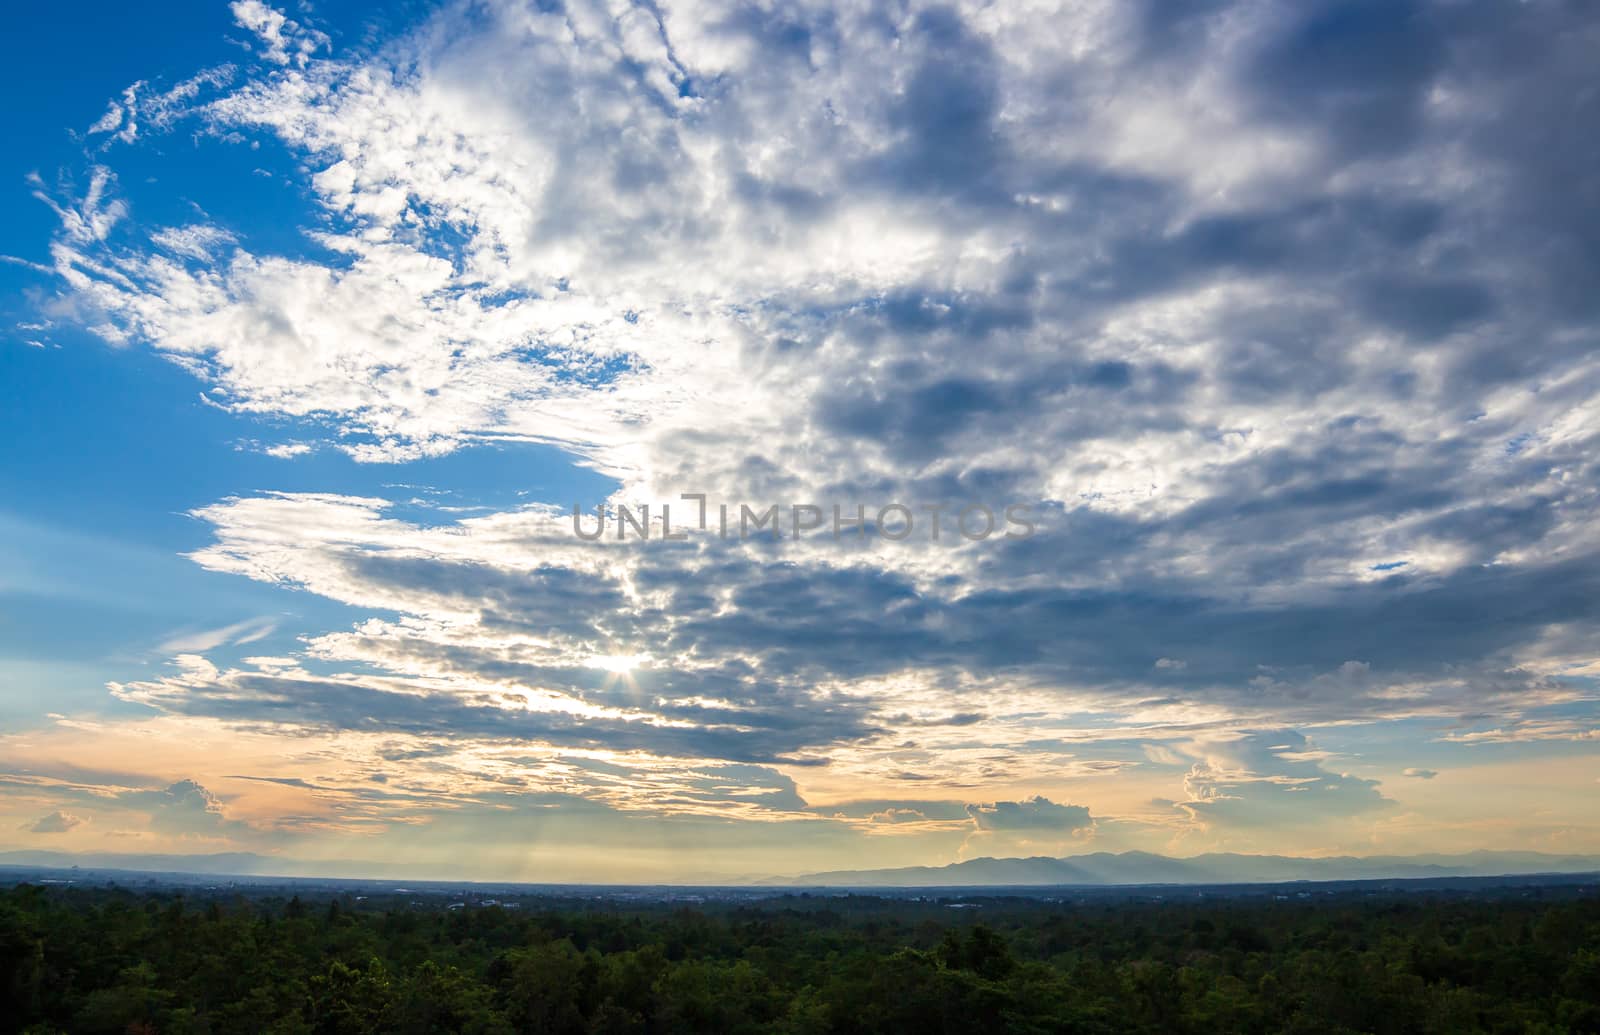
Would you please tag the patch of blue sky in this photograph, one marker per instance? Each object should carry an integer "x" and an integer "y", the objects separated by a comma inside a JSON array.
[
  {"x": 169, "y": 183},
  {"x": 79, "y": 466},
  {"x": 77, "y": 611},
  {"x": 107, "y": 452},
  {"x": 475, "y": 479},
  {"x": 431, "y": 233},
  {"x": 1442, "y": 743},
  {"x": 501, "y": 297},
  {"x": 1517, "y": 443},
  {"x": 572, "y": 366},
  {"x": 108, "y": 48},
  {"x": 245, "y": 182},
  {"x": 267, "y": 205}
]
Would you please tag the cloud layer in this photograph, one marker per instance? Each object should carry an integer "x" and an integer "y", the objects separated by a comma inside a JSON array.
[{"x": 1276, "y": 315}]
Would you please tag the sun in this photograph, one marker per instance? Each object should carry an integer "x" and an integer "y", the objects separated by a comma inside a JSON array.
[{"x": 621, "y": 664}]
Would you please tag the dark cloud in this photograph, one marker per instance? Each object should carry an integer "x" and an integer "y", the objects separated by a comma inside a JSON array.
[
  {"x": 1356, "y": 71},
  {"x": 57, "y": 822},
  {"x": 1031, "y": 815},
  {"x": 942, "y": 121},
  {"x": 326, "y": 704},
  {"x": 182, "y": 808}
]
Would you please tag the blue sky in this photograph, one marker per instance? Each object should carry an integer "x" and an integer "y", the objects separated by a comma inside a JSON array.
[{"x": 1277, "y": 318}]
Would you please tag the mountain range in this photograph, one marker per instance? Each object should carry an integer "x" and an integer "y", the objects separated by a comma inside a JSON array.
[
  {"x": 1107, "y": 868},
  {"x": 1099, "y": 869}
]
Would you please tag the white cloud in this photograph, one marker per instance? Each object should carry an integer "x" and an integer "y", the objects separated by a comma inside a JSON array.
[
  {"x": 1272, "y": 780},
  {"x": 249, "y": 630},
  {"x": 200, "y": 242},
  {"x": 285, "y": 41}
]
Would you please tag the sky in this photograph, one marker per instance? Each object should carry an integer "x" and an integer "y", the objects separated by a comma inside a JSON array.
[{"x": 1263, "y": 334}]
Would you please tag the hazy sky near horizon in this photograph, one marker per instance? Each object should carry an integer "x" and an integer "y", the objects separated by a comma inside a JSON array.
[{"x": 1279, "y": 320}]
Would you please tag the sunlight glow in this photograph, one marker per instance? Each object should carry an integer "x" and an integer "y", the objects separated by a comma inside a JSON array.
[{"x": 618, "y": 663}]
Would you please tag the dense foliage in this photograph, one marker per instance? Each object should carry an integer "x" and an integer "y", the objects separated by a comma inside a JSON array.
[{"x": 85, "y": 960}]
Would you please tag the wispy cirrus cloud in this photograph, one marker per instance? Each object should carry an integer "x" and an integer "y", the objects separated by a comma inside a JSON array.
[{"x": 251, "y": 630}]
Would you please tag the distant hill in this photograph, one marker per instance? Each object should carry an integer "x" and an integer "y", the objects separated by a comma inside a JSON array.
[
  {"x": 1100, "y": 869},
  {"x": 1107, "y": 868},
  {"x": 239, "y": 864},
  {"x": 222, "y": 862}
]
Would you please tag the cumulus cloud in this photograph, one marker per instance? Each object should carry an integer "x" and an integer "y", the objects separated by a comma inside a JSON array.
[
  {"x": 1031, "y": 814},
  {"x": 1032, "y": 826},
  {"x": 57, "y": 822},
  {"x": 183, "y": 808},
  {"x": 284, "y": 41},
  {"x": 1272, "y": 778}
]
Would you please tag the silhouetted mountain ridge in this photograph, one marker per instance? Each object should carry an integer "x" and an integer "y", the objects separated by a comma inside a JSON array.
[
  {"x": 1108, "y": 868},
  {"x": 1097, "y": 869}
]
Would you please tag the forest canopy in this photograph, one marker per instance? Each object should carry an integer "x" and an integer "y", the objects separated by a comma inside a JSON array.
[{"x": 113, "y": 960}]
